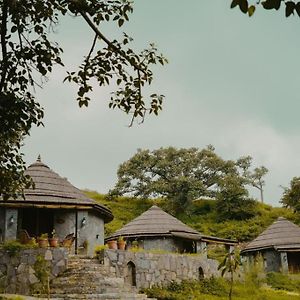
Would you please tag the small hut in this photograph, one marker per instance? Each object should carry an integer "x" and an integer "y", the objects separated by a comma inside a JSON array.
[
  {"x": 157, "y": 230},
  {"x": 54, "y": 204},
  {"x": 279, "y": 245}
]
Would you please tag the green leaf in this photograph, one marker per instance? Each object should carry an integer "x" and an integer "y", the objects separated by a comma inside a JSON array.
[
  {"x": 14, "y": 28},
  {"x": 289, "y": 9},
  {"x": 298, "y": 8},
  {"x": 120, "y": 22},
  {"x": 251, "y": 10},
  {"x": 243, "y": 4},
  {"x": 234, "y": 3}
]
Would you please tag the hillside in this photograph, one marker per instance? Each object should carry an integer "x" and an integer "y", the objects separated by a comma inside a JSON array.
[{"x": 202, "y": 216}]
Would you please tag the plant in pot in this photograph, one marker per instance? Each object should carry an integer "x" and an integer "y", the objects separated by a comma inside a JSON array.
[
  {"x": 53, "y": 241},
  {"x": 121, "y": 243},
  {"x": 112, "y": 244},
  {"x": 43, "y": 240}
]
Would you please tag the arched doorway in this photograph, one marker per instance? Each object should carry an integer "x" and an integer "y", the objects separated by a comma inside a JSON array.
[
  {"x": 131, "y": 274},
  {"x": 201, "y": 273}
]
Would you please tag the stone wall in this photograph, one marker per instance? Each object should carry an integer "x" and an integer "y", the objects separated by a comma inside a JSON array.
[
  {"x": 145, "y": 269},
  {"x": 27, "y": 270}
]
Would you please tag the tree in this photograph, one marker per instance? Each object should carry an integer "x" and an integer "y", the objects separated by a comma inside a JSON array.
[
  {"x": 249, "y": 7},
  {"x": 28, "y": 56},
  {"x": 230, "y": 264},
  {"x": 233, "y": 200},
  {"x": 253, "y": 178},
  {"x": 291, "y": 195},
  {"x": 180, "y": 175}
]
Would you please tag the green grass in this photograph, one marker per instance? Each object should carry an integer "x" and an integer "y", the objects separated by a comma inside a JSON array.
[
  {"x": 201, "y": 216},
  {"x": 217, "y": 289}
]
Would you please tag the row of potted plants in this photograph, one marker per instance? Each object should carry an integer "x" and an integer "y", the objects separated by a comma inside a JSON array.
[
  {"x": 44, "y": 242},
  {"x": 120, "y": 244}
]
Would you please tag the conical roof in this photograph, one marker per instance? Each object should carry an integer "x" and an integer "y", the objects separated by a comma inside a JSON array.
[
  {"x": 51, "y": 188},
  {"x": 156, "y": 222},
  {"x": 282, "y": 234}
]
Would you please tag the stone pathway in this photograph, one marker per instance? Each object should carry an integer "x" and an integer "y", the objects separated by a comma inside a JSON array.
[{"x": 86, "y": 278}]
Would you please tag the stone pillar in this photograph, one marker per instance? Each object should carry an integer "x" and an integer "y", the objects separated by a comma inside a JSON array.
[
  {"x": 202, "y": 248},
  {"x": 10, "y": 224},
  {"x": 284, "y": 262}
]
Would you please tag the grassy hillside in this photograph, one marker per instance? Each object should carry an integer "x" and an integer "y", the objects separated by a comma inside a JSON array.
[{"x": 202, "y": 216}]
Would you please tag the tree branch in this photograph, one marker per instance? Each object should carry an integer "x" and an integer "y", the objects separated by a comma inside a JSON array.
[
  {"x": 109, "y": 43},
  {"x": 3, "y": 43}
]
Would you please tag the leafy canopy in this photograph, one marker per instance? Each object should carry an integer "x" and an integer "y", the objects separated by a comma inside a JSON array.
[
  {"x": 249, "y": 6},
  {"x": 28, "y": 55},
  {"x": 291, "y": 195},
  {"x": 181, "y": 176}
]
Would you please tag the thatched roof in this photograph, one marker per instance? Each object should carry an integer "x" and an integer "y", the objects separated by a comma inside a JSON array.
[
  {"x": 155, "y": 222},
  {"x": 281, "y": 235},
  {"x": 52, "y": 189}
]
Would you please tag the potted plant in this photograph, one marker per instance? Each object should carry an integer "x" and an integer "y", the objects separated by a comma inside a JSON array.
[
  {"x": 53, "y": 241},
  {"x": 121, "y": 243},
  {"x": 112, "y": 244},
  {"x": 43, "y": 240}
]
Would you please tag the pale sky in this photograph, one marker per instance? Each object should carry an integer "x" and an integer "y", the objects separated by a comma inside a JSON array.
[{"x": 232, "y": 82}]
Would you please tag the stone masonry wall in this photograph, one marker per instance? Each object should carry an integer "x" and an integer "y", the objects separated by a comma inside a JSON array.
[
  {"x": 158, "y": 269},
  {"x": 21, "y": 273}
]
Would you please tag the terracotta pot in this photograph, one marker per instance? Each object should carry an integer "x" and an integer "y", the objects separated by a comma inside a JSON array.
[
  {"x": 43, "y": 243},
  {"x": 53, "y": 242},
  {"x": 121, "y": 245},
  {"x": 112, "y": 244}
]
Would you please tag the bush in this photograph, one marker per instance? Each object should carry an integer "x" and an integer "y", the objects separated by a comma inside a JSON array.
[{"x": 283, "y": 282}]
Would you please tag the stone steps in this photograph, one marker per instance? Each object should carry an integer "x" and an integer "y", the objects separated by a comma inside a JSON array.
[{"x": 86, "y": 278}]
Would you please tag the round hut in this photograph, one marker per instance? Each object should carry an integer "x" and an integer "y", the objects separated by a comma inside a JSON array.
[
  {"x": 54, "y": 205},
  {"x": 279, "y": 246},
  {"x": 157, "y": 230}
]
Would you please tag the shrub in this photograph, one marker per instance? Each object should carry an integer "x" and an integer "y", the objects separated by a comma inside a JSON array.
[{"x": 283, "y": 282}]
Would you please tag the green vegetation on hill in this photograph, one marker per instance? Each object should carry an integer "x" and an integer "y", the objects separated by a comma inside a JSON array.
[{"x": 202, "y": 216}]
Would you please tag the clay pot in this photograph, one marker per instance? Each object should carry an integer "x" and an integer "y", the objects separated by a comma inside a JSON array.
[
  {"x": 53, "y": 242},
  {"x": 43, "y": 243},
  {"x": 112, "y": 244},
  {"x": 121, "y": 245}
]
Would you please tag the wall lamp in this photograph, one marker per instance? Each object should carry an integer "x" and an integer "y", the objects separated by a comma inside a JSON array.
[
  {"x": 11, "y": 220},
  {"x": 83, "y": 222}
]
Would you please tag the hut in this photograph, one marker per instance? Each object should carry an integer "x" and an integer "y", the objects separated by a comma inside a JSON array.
[
  {"x": 54, "y": 204},
  {"x": 279, "y": 246},
  {"x": 157, "y": 230}
]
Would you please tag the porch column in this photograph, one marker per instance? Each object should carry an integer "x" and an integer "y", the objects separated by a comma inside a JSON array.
[
  {"x": 284, "y": 262},
  {"x": 202, "y": 248},
  {"x": 10, "y": 224}
]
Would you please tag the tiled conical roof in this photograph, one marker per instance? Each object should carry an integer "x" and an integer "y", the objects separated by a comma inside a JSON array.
[
  {"x": 51, "y": 188},
  {"x": 156, "y": 222},
  {"x": 282, "y": 234}
]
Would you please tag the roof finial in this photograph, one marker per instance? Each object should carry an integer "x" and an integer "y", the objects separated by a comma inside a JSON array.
[{"x": 39, "y": 158}]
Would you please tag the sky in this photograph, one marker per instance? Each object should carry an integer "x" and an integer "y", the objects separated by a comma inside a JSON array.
[{"x": 232, "y": 82}]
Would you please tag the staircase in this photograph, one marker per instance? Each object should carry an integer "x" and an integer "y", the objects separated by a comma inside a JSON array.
[{"x": 86, "y": 278}]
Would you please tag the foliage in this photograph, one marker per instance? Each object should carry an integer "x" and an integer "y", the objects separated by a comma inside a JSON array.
[
  {"x": 216, "y": 289},
  {"x": 283, "y": 282},
  {"x": 233, "y": 201},
  {"x": 14, "y": 247},
  {"x": 249, "y": 7},
  {"x": 202, "y": 216},
  {"x": 181, "y": 176},
  {"x": 42, "y": 272},
  {"x": 291, "y": 195},
  {"x": 254, "y": 178},
  {"x": 218, "y": 252},
  {"x": 29, "y": 56}
]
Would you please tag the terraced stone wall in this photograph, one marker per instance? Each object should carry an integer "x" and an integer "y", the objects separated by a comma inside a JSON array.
[
  {"x": 27, "y": 271},
  {"x": 144, "y": 269}
]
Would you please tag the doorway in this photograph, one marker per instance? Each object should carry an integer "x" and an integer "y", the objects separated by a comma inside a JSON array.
[{"x": 36, "y": 221}]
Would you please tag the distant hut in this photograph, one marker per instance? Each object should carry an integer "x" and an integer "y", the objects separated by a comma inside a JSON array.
[
  {"x": 157, "y": 230},
  {"x": 54, "y": 203},
  {"x": 279, "y": 246}
]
